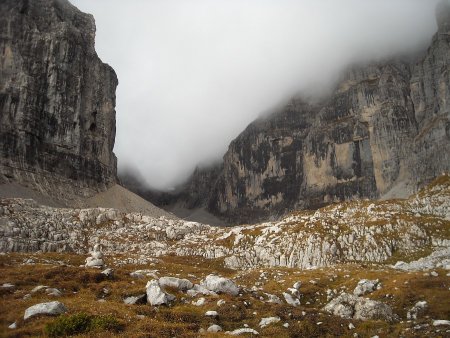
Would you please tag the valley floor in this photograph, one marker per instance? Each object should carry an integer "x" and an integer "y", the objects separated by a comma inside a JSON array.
[{"x": 88, "y": 291}]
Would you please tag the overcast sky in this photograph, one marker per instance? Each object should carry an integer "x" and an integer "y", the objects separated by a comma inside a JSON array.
[{"x": 193, "y": 73}]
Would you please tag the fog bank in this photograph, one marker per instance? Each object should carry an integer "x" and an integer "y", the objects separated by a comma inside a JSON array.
[{"x": 193, "y": 73}]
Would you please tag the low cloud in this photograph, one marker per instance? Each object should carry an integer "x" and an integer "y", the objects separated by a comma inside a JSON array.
[{"x": 194, "y": 73}]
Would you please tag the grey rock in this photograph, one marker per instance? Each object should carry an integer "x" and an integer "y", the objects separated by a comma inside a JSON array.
[
  {"x": 7, "y": 286},
  {"x": 53, "y": 292},
  {"x": 199, "y": 302},
  {"x": 220, "y": 285},
  {"x": 366, "y": 286},
  {"x": 51, "y": 309},
  {"x": 243, "y": 330},
  {"x": 178, "y": 283},
  {"x": 418, "y": 309},
  {"x": 291, "y": 300},
  {"x": 39, "y": 288},
  {"x": 211, "y": 314},
  {"x": 108, "y": 272},
  {"x": 57, "y": 112},
  {"x": 141, "y": 299},
  {"x": 268, "y": 321},
  {"x": 94, "y": 263},
  {"x": 156, "y": 296},
  {"x": 214, "y": 328},
  {"x": 273, "y": 299},
  {"x": 351, "y": 306},
  {"x": 441, "y": 322}
]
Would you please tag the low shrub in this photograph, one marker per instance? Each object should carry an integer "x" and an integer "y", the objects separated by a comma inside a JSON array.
[{"x": 81, "y": 323}]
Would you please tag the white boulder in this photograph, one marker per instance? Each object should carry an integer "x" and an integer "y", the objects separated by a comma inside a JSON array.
[
  {"x": 155, "y": 295},
  {"x": 200, "y": 302},
  {"x": 290, "y": 299},
  {"x": 366, "y": 286},
  {"x": 441, "y": 322},
  {"x": 220, "y": 285},
  {"x": 273, "y": 299},
  {"x": 268, "y": 320},
  {"x": 354, "y": 307},
  {"x": 131, "y": 300},
  {"x": 214, "y": 328},
  {"x": 177, "y": 283},
  {"x": 50, "y": 309},
  {"x": 199, "y": 289},
  {"x": 244, "y": 330},
  {"x": 416, "y": 310}
]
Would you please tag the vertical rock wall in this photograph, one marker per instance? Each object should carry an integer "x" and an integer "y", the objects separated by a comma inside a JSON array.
[
  {"x": 385, "y": 125},
  {"x": 57, "y": 100}
]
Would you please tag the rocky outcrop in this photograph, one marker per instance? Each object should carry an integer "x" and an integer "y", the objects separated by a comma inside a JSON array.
[
  {"x": 57, "y": 99},
  {"x": 350, "y": 306},
  {"x": 384, "y": 125},
  {"x": 358, "y": 231}
]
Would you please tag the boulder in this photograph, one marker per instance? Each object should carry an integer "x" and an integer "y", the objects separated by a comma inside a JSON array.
[
  {"x": 53, "y": 292},
  {"x": 199, "y": 302},
  {"x": 297, "y": 285},
  {"x": 108, "y": 272},
  {"x": 50, "y": 309},
  {"x": 141, "y": 299},
  {"x": 177, "y": 283},
  {"x": 416, "y": 310},
  {"x": 200, "y": 289},
  {"x": 92, "y": 262},
  {"x": 214, "y": 328},
  {"x": 244, "y": 330},
  {"x": 268, "y": 320},
  {"x": 354, "y": 307},
  {"x": 141, "y": 274},
  {"x": 211, "y": 314},
  {"x": 220, "y": 285},
  {"x": 39, "y": 288},
  {"x": 95, "y": 261},
  {"x": 273, "y": 299},
  {"x": 441, "y": 322},
  {"x": 156, "y": 296},
  {"x": 290, "y": 299},
  {"x": 7, "y": 286},
  {"x": 366, "y": 286},
  {"x": 371, "y": 309}
]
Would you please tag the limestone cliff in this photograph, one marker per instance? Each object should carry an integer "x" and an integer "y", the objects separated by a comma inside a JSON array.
[
  {"x": 384, "y": 125},
  {"x": 57, "y": 100}
]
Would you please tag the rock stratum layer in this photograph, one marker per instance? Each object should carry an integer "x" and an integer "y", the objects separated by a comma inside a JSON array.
[
  {"x": 57, "y": 100},
  {"x": 385, "y": 124}
]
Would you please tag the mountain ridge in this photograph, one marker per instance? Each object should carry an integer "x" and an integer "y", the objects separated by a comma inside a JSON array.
[{"x": 387, "y": 125}]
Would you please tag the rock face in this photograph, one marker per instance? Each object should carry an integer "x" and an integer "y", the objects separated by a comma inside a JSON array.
[
  {"x": 384, "y": 125},
  {"x": 57, "y": 99}
]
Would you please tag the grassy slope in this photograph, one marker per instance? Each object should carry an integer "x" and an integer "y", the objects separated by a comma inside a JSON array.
[{"x": 82, "y": 288}]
